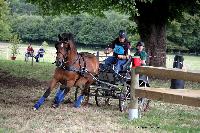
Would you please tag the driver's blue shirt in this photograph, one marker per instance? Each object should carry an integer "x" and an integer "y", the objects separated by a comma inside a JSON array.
[{"x": 119, "y": 48}]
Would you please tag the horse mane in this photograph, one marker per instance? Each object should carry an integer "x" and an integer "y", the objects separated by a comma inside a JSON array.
[
  {"x": 66, "y": 37},
  {"x": 86, "y": 54}
]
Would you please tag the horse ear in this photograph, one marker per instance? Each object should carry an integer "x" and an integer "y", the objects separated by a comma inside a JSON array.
[{"x": 59, "y": 37}]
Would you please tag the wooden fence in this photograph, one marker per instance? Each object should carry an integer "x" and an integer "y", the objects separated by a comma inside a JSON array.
[
  {"x": 186, "y": 97},
  {"x": 177, "y": 96}
]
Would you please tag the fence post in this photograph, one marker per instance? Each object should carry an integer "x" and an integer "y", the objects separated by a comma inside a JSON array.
[
  {"x": 32, "y": 60},
  {"x": 97, "y": 55},
  {"x": 133, "y": 105}
]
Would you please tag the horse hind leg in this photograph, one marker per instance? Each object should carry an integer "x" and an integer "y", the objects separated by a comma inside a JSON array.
[
  {"x": 46, "y": 94},
  {"x": 79, "y": 98},
  {"x": 85, "y": 90}
]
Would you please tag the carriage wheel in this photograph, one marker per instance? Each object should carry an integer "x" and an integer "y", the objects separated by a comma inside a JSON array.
[
  {"x": 143, "y": 105},
  {"x": 100, "y": 97},
  {"x": 123, "y": 99}
]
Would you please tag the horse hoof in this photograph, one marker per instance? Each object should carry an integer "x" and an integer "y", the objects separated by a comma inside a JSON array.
[
  {"x": 55, "y": 105},
  {"x": 34, "y": 109}
]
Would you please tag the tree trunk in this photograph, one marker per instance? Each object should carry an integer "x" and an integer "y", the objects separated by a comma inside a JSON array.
[
  {"x": 151, "y": 21},
  {"x": 154, "y": 38}
]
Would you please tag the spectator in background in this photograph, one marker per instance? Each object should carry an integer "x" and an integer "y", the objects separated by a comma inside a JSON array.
[
  {"x": 40, "y": 54},
  {"x": 29, "y": 50}
]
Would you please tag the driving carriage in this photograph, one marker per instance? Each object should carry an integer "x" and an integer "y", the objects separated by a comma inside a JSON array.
[
  {"x": 111, "y": 85},
  {"x": 83, "y": 71}
]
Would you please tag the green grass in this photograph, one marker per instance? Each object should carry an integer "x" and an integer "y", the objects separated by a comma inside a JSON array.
[
  {"x": 18, "y": 68},
  {"x": 168, "y": 117},
  {"x": 4, "y": 130},
  {"x": 189, "y": 63},
  {"x": 162, "y": 117}
]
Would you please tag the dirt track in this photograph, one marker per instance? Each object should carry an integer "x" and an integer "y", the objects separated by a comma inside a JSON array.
[
  {"x": 18, "y": 95},
  {"x": 15, "y": 90},
  {"x": 10, "y": 81}
]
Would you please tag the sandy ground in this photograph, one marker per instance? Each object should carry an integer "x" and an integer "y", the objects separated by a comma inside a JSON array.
[{"x": 18, "y": 95}]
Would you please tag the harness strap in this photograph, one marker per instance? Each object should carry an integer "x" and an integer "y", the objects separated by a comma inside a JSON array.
[
  {"x": 82, "y": 67},
  {"x": 81, "y": 70}
]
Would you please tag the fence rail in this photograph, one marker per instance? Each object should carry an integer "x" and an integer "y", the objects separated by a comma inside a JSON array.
[
  {"x": 171, "y": 73},
  {"x": 186, "y": 97}
]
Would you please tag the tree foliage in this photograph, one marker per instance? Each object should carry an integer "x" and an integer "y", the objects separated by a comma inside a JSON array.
[
  {"x": 5, "y": 30},
  {"x": 185, "y": 32},
  {"x": 182, "y": 32},
  {"x": 86, "y": 28},
  {"x": 172, "y": 8},
  {"x": 22, "y": 7}
]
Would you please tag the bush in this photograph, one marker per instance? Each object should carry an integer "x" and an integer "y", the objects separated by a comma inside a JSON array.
[{"x": 14, "y": 45}]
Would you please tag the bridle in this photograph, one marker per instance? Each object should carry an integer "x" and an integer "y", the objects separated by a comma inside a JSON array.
[
  {"x": 60, "y": 63},
  {"x": 63, "y": 43}
]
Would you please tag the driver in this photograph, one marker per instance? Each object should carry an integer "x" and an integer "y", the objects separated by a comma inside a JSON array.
[{"x": 121, "y": 51}]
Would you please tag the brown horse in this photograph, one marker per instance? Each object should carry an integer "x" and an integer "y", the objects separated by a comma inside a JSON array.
[{"x": 73, "y": 70}]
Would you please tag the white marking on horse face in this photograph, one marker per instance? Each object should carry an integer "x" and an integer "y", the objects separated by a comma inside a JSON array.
[{"x": 61, "y": 45}]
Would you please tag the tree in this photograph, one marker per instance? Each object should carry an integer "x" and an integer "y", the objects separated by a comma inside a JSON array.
[
  {"x": 15, "y": 44},
  {"x": 150, "y": 15},
  {"x": 29, "y": 27},
  {"x": 186, "y": 32},
  {"x": 86, "y": 28},
  {"x": 5, "y": 30},
  {"x": 22, "y": 8}
]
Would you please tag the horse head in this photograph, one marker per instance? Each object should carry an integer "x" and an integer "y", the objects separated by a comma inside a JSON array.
[{"x": 65, "y": 49}]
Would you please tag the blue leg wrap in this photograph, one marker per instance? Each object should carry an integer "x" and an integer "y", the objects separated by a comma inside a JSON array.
[
  {"x": 39, "y": 102},
  {"x": 59, "y": 96},
  {"x": 77, "y": 103}
]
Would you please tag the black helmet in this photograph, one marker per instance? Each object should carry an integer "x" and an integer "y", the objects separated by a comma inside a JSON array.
[
  {"x": 140, "y": 43},
  {"x": 122, "y": 34}
]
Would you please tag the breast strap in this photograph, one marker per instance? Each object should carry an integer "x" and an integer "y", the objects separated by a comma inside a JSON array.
[{"x": 82, "y": 65}]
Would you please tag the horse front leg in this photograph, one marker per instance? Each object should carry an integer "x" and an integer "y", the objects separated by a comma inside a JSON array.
[
  {"x": 62, "y": 91},
  {"x": 46, "y": 94}
]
